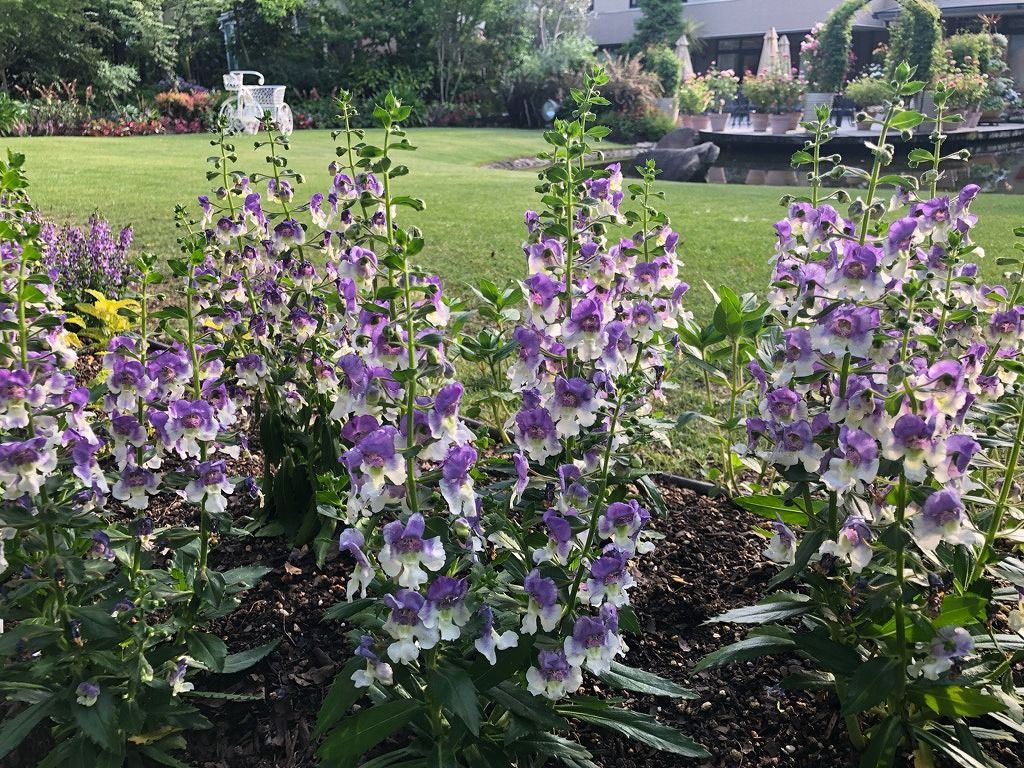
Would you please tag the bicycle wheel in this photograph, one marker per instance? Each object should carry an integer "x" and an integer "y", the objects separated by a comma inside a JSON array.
[{"x": 229, "y": 114}]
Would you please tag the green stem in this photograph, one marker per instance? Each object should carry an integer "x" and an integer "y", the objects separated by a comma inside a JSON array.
[
  {"x": 1004, "y": 494},
  {"x": 900, "y": 609},
  {"x": 876, "y": 170}
]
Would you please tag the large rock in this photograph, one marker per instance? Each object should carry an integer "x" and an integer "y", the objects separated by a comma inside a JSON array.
[
  {"x": 689, "y": 164},
  {"x": 680, "y": 138}
]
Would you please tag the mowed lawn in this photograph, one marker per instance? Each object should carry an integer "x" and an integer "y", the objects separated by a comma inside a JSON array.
[{"x": 473, "y": 220}]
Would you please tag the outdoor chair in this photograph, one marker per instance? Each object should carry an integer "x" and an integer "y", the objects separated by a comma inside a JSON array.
[{"x": 739, "y": 108}]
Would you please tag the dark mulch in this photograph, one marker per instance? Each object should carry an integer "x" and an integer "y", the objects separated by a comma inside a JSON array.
[{"x": 709, "y": 562}]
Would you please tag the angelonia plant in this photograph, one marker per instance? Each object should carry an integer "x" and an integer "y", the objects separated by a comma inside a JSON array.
[
  {"x": 102, "y": 605},
  {"x": 889, "y": 423},
  {"x": 492, "y": 573}
]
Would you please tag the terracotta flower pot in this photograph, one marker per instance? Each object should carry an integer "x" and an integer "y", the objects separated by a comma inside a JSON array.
[
  {"x": 863, "y": 126},
  {"x": 973, "y": 119},
  {"x": 686, "y": 121},
  {"x": 700, "y": 122},
  {"x": 719, "y": 121},
  {"x": 794, "y": 120},
  {"x": 780, "y": 123},
  {"x": 759, "y": 122}
]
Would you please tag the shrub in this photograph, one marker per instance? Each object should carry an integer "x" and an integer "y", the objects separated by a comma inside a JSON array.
[
  {"x": 886, "y": 409},
  {"x": 825, "y": 53},
  {"x": 966, "y": 89},
  {"x": 631, "y": 88},
  {"x": 915, "y": 38},
  {"x": 661, "y": 60},
  {"x": 722, "y": 85},
  {"x": 82, "y": 259},
  {"x": 694, "y": 96},
  {"x": 631, "y": 127},
  {"x": 868, "y": 91},
  {"x": 774, "y": 93}
]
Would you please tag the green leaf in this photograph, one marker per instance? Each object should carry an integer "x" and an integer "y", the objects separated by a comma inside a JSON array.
[
  {"x": 16, "y": 728},
  {"x": 747, "y": 648},
  {"x": 763, "y": 612},
  {"x": 340, "y": 698},
  {"x": 358, "y": 734},
  {"x": 630, "y": 679},
  {"x": 773, "y": 508},
  {"x": 961, "y": 610},
  {"x": 453, "y": 687},
  {"x": 883, "y": 742},
  {"x": 904, "y": 121},
  {"x": 209, "y": 650},
  {"x": 241, "y": 661},
  {"x": 871, "y": 684},
  {"x": 832, "y": 656},
  {"x": 642, "y": 728},
  {"x": 99, "y": 722},
  {"x": 957, "y": 701},
  {"x": 340, "y": 611},
  {"x": 157, "y": 755}
]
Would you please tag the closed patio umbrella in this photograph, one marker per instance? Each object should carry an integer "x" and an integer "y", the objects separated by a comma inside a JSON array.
[
  {"x": 683, "y": 54},
  {"x": 769, "y": 62},
  {"x": 785, "y": 57}
]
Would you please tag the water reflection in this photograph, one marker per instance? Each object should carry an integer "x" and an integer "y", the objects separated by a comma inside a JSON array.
[{"x": 995, "y": 169}]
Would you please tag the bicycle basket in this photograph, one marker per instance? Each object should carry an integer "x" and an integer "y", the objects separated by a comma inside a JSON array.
[
  {"x": 268, "y": 96},
  {"x": 232, "y": 81}
]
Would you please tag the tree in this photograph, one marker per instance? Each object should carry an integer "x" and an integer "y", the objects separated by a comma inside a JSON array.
[
  {"x": 660, "y": 23},
  {"x": 915, "y": 38}
]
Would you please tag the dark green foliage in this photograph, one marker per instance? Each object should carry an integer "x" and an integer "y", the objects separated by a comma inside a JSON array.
[
  {"x": 632, "y": 127},
  {"x": 916, "y": 38},
  {"x": 660, "y": 24},
  {"x": 661, "y": 60},
  {"x": 835, "y": 40}
]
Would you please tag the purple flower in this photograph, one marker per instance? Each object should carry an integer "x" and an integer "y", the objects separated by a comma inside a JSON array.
[
  {"x": 405, "y": 551},
  {"x": 522, "y": 477},
  {"x": 593, "y": 644},
  {"x": 101, "y": 549},
  {"x": 374, "y": 460},
  {"x": 24, "y": 466},
  {"x": 622, "y": 523},
  {"x": 914, "y": 440},
  {"x": 559, "y": 540},
  {"x": 855, "y": 464},
  {"x": 846, "y": 329},
  {"x": 944, "y": 518},
  {"x": 87, "y": 693},
  {"x": 490, "y": 641},
  {"x": 794, "y": 444},
  {"x": 949, "y": 644},
  {"x": 405, "y": 626},
  {"x": 960, "y": 450},
  {"x": 584, "y": 331},
  {"x": 536, "y": 434},
  {"x": 553, "y": 677},
  {"x": 783, "y": 405},
  {"x": 782, "y": 545},
  {"x": 352, "y": 541},
  {"x": 609, "y": 579},
  {"x": 545, "y": 255},
  {"x": 542, "y": 603},
  {"x": 573, "y": 406},
  {"x": 853, "y": 545},
  {"x": 189, "y": 423},
  {"x": 456, "y": 484},
  {"x": 209, "y": 486},
  {"x": 135, "y": 486},
  {"x": 445, "y": 609},
  {"x": 376, "y": 671}
]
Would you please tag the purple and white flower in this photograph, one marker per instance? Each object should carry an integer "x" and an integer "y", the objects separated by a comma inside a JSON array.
[
  {"x": 542, "y": 603},
  {"x": 445, "y": 609},
  {"x": 406, "y": 553},
  {"x": 406, "y": 628},
  {"x": 553, "y": 677},
  {"x": 490, "y": 640}
]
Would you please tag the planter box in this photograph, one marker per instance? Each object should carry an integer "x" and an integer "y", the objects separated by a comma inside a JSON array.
[
  {"x": 781, "y": 123},
  {"x": 719, "y": 122},
  {"x": 759, "y": 122},
  {"x": 700, "y": 122},
  {"x": 668, "y": 107},
  {"x": 812, "y": 100}
]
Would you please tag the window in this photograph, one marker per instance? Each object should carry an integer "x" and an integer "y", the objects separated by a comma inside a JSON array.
[{"x": 736, "y": 53}]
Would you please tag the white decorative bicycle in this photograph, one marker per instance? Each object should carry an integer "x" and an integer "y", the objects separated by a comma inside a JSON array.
[{"x": 244, "y": 111}]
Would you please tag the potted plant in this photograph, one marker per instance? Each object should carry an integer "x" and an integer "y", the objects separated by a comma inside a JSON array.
[
  {"x": 722, "y": 85},
  {"x": 825, "y": 54},
  {"x": 966, "y": 91},
  {"x": 787, "y": 97},
  {"x": 759, "y": 92},
  {"x": 868, "y": 93},
  {"x": 694, "y": 99}
]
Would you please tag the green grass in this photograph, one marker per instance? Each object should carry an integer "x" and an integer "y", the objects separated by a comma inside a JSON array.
[{"x": 473, "y": 220}]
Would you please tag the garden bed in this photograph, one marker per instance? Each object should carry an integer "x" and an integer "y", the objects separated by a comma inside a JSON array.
[{"x": 709, "y": 562}]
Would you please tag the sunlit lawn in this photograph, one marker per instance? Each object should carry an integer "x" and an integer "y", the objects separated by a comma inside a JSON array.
[{"x": 473, "y": 220}]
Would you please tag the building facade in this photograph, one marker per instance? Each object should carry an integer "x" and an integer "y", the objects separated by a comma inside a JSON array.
[{"x": 733, "y": 30}]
